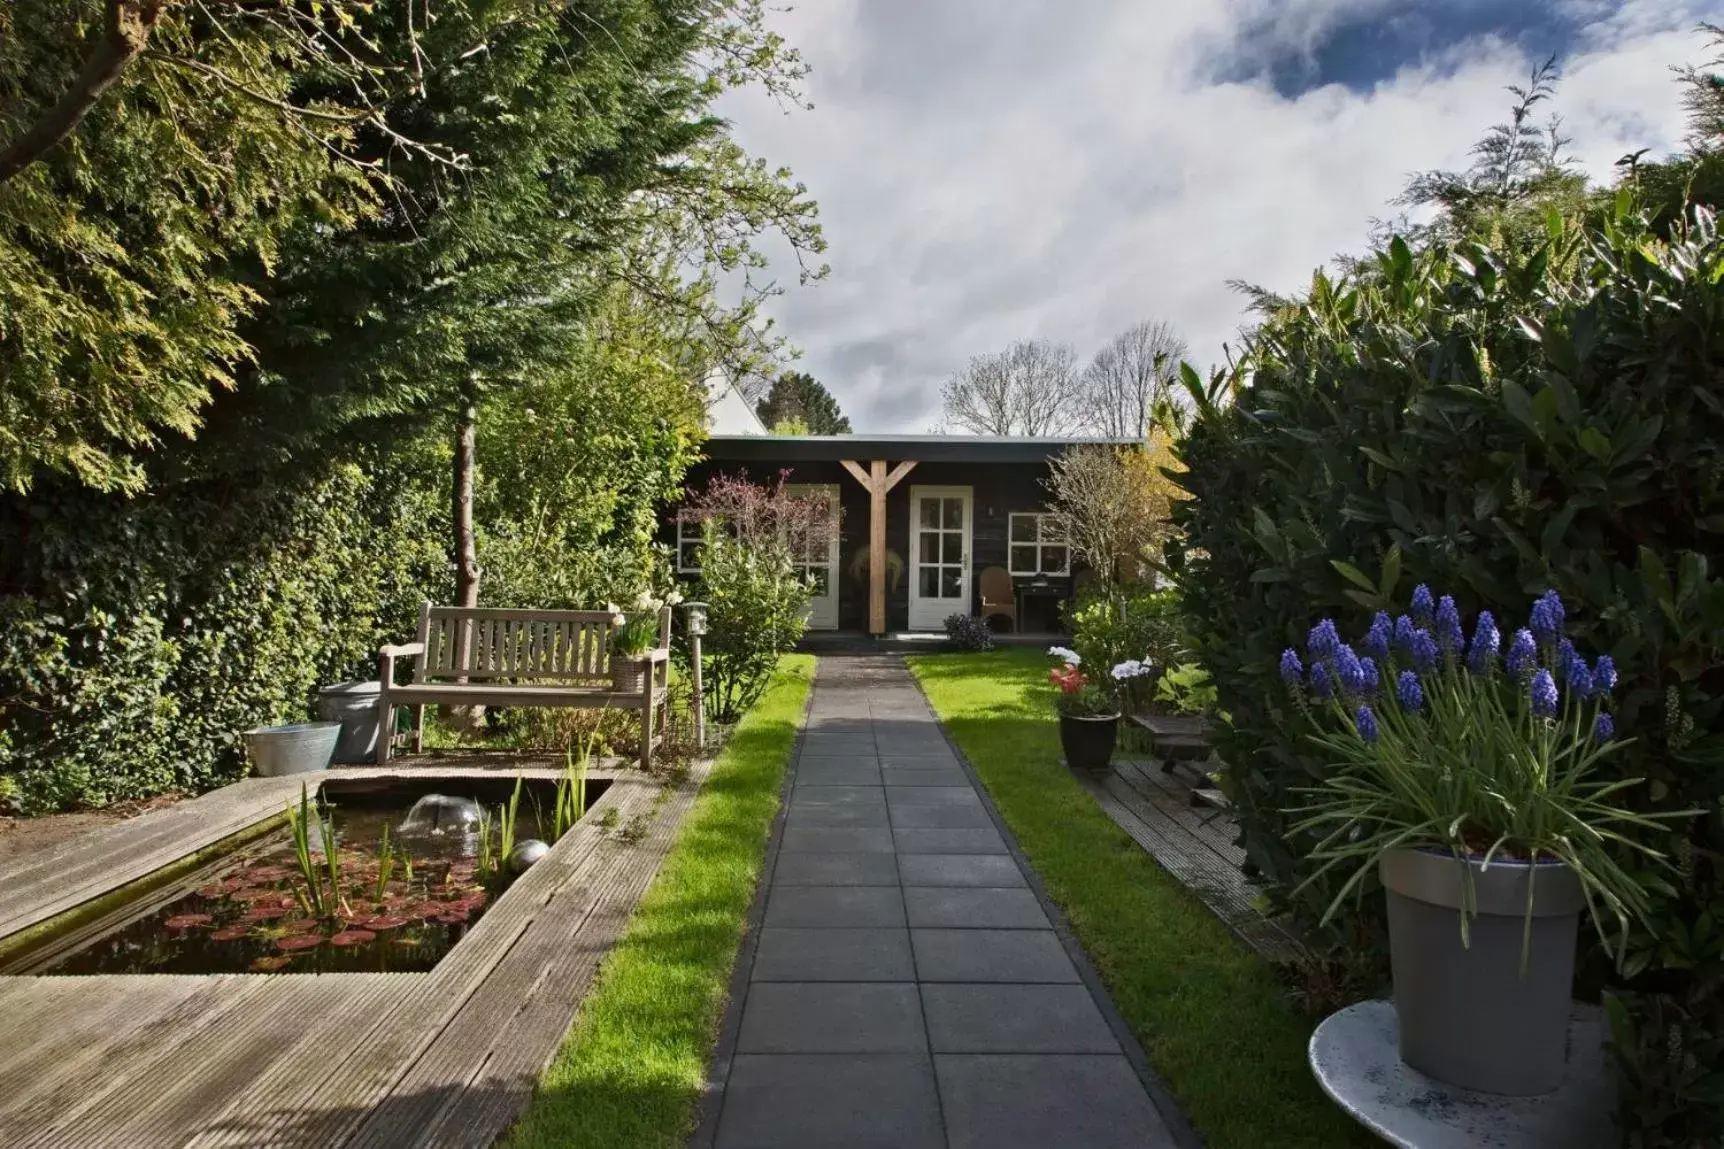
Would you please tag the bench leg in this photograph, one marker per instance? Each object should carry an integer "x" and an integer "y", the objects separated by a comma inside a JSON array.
[
  {"x": 647, "y": 722},
  {"x": 418, "y": 730},
  {"x": 385, "y": 728}
]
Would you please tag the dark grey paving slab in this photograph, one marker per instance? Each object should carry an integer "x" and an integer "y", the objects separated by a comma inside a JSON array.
[
  {"x": 838, "y": 840},
  {"x": 837, "y": 955},
  {"x": 855, "y": 1101},
  {"x": 798, "y": 869},
  {"x": 837, "y": 772},
  {"x": 972, "y": 817},
  {"x": 896, "y": 772},
  {"x": 909, "y": 841},
  {"x": 991, "y": 956},
  {"x": 931, "y": 796},
  {"x": 1014, "y": 1019},
  {"x": 1034, "y": 1101},
  {"x": 971, "y": 908},
  {"x": 804, "y": 817},
  {"x": 959, "y": 870},
  {"x": 832, "y": 1017},
  {"x": 804, "y": 796},
  {"x": 838, "y": 745},
  {"x": 835, "y": 907}
]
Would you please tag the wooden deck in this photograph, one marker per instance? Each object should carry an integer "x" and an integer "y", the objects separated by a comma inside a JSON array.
[
  {"x": 1195, "y": 845},
  {"x": 443, "y": 1058}
]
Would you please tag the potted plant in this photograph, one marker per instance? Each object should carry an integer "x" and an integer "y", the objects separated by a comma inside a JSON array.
[
  {"x": 1467, "y": 782},
  {"x": 632, "y": 635},
  {"x": 1089, "y": 713}
]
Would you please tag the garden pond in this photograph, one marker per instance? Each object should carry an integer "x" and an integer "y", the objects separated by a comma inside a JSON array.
[{"x": 417, "y": 864}]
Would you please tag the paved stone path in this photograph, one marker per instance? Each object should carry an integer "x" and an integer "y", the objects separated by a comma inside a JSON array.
[{"x": 906, "y": 987}]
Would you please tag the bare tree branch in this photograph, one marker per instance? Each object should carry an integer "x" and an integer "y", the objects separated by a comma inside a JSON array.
[
  {"x": 125, "y": 34},
  {"x": 1030, "y": 388},
  {"x": 1130, "y": 378}
]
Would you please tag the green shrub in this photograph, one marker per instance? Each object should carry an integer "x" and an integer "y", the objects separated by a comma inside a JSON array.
[
  {"x": 1126, "y": 623},
  {"x": 139, "y": 639},
  {"x": 967, "y": 632},
  {"x": 1511, "y": 421},
  {"x": 757, "y": 610}
]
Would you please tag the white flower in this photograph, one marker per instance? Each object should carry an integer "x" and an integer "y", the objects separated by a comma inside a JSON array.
[
  {"x": 645, "y": 601},
  {"x": 1131, "y": 668},
  {"x": 1070, "y": 657},
  {"x": 673, "y": 597}
]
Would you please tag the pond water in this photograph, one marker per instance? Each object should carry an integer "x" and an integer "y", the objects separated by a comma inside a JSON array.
[{"x": 396, "y": 908}]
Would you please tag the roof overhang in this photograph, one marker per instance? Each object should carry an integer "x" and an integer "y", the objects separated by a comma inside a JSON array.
[{"x": 894, "y": 448}]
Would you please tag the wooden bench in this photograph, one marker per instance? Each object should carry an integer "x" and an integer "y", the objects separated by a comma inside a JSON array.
[{"x": 480, "y": 656}]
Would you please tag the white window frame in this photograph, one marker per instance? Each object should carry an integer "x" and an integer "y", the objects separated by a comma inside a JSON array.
[
  {"x": 1039, "y": 544},
  {"x": 685, "y": 525}
]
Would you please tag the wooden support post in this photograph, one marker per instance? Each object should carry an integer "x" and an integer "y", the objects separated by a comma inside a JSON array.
[{"x": 877, "y": 482}]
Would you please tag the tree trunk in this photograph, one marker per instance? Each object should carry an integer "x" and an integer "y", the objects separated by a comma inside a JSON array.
[
  {"x": 124, "y": 37},
  {"x": 465, "y": 719}
]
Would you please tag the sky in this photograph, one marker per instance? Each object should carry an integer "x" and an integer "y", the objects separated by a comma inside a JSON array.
[{"x": 994, "y": 170}]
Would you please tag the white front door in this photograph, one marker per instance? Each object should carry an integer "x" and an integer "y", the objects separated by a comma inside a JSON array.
[
  {"x": 820, "y": 565},
  {"x": 939, "y": 555}
]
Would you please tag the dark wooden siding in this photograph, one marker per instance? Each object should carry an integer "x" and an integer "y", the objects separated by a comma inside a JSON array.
[{"x": 998, "y": 490}]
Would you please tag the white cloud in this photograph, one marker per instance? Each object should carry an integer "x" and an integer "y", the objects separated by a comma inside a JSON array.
[{"x": 988, "y": 172}]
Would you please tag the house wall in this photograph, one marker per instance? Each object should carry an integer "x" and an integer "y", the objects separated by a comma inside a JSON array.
[{"x": 997, "y": 489}]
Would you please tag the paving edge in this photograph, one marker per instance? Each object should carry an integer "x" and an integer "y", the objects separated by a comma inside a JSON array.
[{"x": 1159, "y": 1095}]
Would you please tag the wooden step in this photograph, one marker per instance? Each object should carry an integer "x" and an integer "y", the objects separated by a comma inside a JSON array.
[
  {"x": 1173, "y": 725},
  {"x": 1212, "y": 798}
]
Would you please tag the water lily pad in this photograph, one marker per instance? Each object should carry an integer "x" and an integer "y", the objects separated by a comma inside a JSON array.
[
  {"x": 218, "y": 890},
  {"x": 300, "y": 942},
  {"x": 270, "y": 964},
  {"x": 352, "y": 938},
  {"x": 301, "y": 926},
  {"x": 266, "y": 894},
  {"x": 265, "y": 913},
  {"x": 187, "y": 921},
  {"x": 386, "y": 922},
  {"x": 230, "y": 933}
]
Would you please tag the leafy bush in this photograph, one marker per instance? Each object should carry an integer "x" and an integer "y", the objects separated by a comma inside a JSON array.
[
  {"x": 139, "y": 639},
  {"x": 967, "y": 632},
  {"x": 1132, "y": 622},
  {"x": 1498, "y": 421},
  {"x": 757, "y": 606}
]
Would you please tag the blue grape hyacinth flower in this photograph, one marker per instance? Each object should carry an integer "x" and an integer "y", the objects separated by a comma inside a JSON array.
[
  {"x": 1321, "y": 684},
  {"x": 1547, "y": 617},
  {"x": 1604, "y": 727},
  {"x": 1366, "y": 723},
  {"x": 1369, "y": 666},
  {"x": 1487, "y": 640},
  {"x": 1544, "y": 696},
  {"x": 1604, "y": 674},
  {"x": 1425, "y": 651},
  {"x": 1404, "y": 630},
  {"x": 1377, "y": 639},
  {"x": 1323, "y": 641},
  {"x": 1409, "y": 693},
  {"x": 1423, "y": 604},
  {"x": 1522, "y": 653},
  {"x": 1350, "y": 670},
  {"x": 1292, "y": 670},
  {"x": 1579, "y": 678},
  {"x": 1449, "y": 634}
]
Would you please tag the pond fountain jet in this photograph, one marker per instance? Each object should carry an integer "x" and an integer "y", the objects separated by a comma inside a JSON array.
[{"x": 441, "y": 814}]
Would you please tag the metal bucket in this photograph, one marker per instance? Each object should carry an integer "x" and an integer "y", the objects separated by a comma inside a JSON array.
[
  {"x": 354, "y": 706},
  {"x": 295, "y": 749}
]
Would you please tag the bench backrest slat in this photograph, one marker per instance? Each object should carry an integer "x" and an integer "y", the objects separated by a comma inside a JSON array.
[{"x": 488, "y": 642}]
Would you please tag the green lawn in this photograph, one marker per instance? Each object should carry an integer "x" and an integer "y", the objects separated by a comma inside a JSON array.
[
  {"x": 1209, "y": 1011},
  {"x": 630, "y": 1071}
]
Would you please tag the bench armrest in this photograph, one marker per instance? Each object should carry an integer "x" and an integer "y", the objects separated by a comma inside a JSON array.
[{"x": 404, "y": 650}]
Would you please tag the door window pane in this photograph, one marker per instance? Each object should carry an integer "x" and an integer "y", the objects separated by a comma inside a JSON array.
[
  {"x": 953, "y": 549},
  {"x": 822, "y": 580},
  {"x": 930, "y": 547},
  {"x": 929, "y": 513},
  {"x": 928, "y": 582},
  {"x": 1023, "y": 528},
  {"x": 951, "y": 583},
  {"x": 954, "y": 514},
  {"x": 1023, "y": 560},
  {"x": 1053, "y": 529},
  {"x": 1054, "y": 560}
]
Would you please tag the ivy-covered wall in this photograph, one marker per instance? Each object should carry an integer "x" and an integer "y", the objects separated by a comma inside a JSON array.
[{"x": 140, "y": 637}]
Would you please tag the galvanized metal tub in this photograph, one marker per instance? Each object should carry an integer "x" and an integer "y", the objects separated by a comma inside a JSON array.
[{"x": 299, "y": 748}]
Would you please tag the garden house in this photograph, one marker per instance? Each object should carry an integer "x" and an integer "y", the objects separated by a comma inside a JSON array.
[{"x": 928, "y": 526}]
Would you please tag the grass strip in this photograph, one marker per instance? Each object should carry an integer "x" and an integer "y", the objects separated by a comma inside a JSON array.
[
  {"x": 1209, "y": 1011},
  {"x": 631, "y": 1069}
]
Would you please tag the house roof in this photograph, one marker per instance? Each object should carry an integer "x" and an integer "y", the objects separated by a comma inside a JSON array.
[
  {"x": 894, "y": 448},
  {"x": 727, "y": 412}
]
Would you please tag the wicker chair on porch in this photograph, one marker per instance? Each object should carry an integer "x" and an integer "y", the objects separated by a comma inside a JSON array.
[{"x": 997, "y": 596}]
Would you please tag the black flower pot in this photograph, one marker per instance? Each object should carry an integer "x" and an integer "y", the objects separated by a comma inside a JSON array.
[{"x": 1088, "y": 742}]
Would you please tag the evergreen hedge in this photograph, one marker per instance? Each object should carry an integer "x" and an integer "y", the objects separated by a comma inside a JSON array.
[{"x": 1495, "y": 421}]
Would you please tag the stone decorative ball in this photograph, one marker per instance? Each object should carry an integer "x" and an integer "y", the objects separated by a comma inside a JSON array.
[{"x": 526, "y": 853}]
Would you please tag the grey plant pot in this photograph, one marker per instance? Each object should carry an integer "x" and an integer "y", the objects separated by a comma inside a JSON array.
[{"x": 1467, "y": 1016}]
